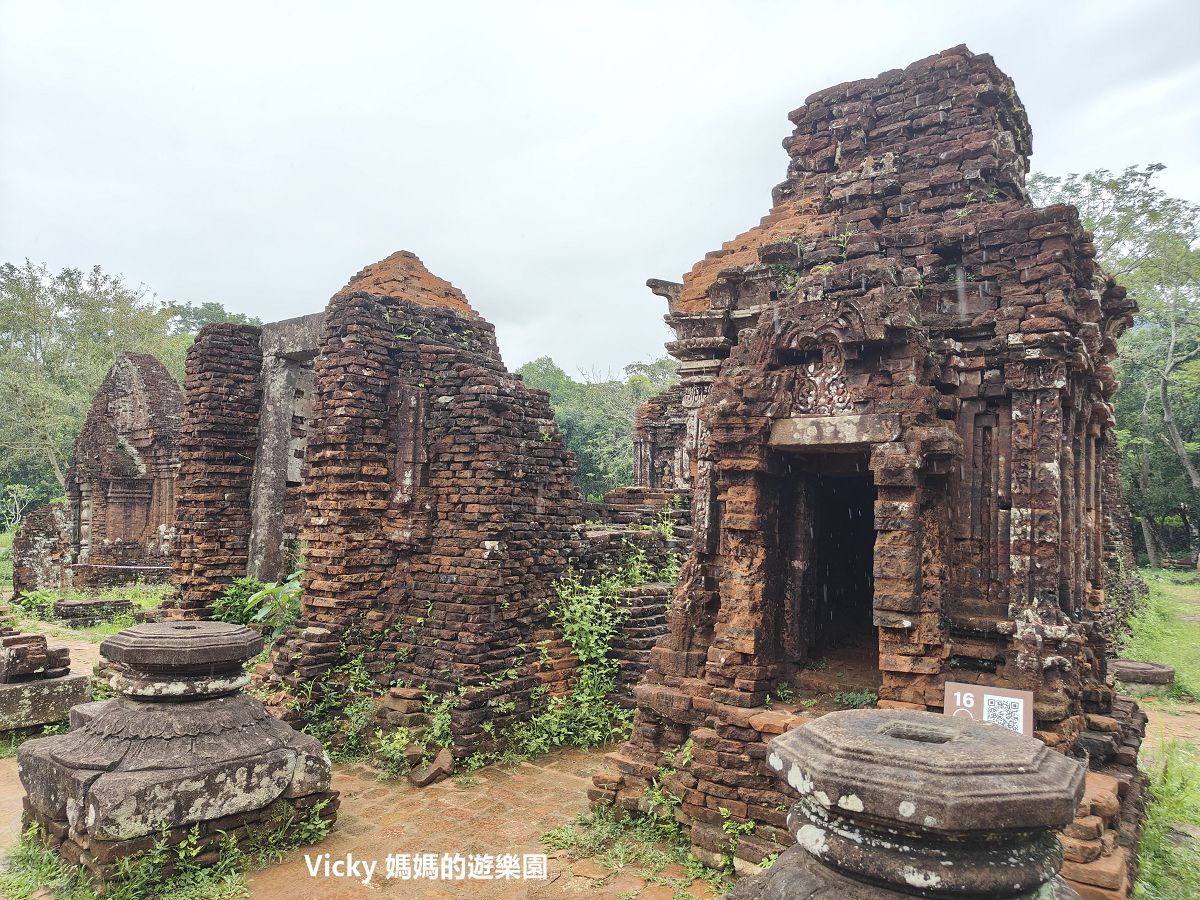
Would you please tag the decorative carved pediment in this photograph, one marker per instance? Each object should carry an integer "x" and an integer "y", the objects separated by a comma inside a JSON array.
[{"x": 821, "y": 384}]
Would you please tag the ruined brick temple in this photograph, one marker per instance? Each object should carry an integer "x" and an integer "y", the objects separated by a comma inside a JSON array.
[
  {"x": 893, "y": 410},
  {"x": 429, "y": 489},
  {"x": 245, "y": 435},
  {"x": 117, "y": 524}
]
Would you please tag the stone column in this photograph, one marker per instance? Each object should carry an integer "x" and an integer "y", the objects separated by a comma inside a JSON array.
[
  {"x": 901, "y": 803},
  {"x": 267, "y": 557}
]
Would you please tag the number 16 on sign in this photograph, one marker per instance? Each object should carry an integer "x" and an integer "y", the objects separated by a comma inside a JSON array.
[{"x": 1000, "y": 706}]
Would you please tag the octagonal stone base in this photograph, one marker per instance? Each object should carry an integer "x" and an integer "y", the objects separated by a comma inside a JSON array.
[{"x": 797, "y": 875}]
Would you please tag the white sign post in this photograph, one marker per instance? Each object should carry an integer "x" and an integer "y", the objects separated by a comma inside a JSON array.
[{"x": 1000, "y": 706}]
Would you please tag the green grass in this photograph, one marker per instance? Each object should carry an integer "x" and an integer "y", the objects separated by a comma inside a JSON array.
[
  {"x": 1169, "y": 859},
  {"x": 144, "y": 596},
  {"x": 1158, "y": 632},
  {"x": 6, "y": 563},
  {"x": 644, "y": 845}
]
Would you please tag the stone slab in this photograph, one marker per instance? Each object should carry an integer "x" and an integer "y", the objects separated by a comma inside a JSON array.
[
  {"x": 29, "y": 703},
  {"x": 832, "y": 431},
  {"x": 1131, "y": 671}
]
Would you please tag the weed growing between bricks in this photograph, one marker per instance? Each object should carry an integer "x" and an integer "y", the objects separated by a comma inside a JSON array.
[
  {"x": 339, "y": 709},
  {"x": 653, "y": 847},
  {"x": 656, "y": 845},
  {"x": 590, "y": 615},
  {"x": 192, "y": 870}
]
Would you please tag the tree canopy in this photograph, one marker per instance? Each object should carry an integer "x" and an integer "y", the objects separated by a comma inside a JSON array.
[
  {"x": 596, "y": 416},
  {"x": 1148, "y": 241},
  {"x": 60, "y": 333}
]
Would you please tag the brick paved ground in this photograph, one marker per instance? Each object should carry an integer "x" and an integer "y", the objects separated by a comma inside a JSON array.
[{"x": 506, "y": 812}]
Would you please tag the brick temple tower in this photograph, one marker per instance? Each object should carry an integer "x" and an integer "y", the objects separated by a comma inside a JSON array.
[{"x": 896, "y": 399}]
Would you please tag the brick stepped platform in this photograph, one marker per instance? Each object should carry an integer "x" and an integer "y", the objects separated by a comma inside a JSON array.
[
  {"x": 646, "y": 623},
  {"x": 1113, "y": 741},
  {"x": 643, "y": 506},
  {"x": 86, "y": 613}
]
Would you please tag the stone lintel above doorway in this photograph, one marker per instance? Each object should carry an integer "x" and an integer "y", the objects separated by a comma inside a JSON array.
[{"x": 833, "y": 431}]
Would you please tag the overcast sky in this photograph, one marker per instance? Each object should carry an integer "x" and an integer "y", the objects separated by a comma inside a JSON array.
[{"x": 546, "y": 158}]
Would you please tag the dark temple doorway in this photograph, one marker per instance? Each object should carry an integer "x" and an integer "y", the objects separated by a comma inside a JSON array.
[{"x": 827, "y": 543}]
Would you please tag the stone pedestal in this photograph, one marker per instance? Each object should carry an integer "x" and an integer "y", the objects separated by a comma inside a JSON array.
[
  {"x": 901, "y": 803},
  {"x": 1140, "y": 678},
  {"x": 179, "y": 747},
  {"x": 37, "y": 686}
]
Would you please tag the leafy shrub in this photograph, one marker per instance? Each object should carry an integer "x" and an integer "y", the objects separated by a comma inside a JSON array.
[
  {"x": 234, "y": 605},
  {"x": 856, "y": 698},
  {"x": 388, "y": 752},
  {"x": 39, "y": 604},
  {"x": 278, "y": 603}
]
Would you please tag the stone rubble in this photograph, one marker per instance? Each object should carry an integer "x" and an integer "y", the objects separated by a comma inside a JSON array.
[{"x": 37, "y": 686}]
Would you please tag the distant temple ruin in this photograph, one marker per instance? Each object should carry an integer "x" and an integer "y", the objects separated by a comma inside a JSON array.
[
  {"x": 895, "y": 393},
  {"x": 117, "y": 523}
]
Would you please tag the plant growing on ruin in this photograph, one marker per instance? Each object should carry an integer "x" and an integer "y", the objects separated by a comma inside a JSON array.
[
  {"x": 784, "y": 693},
  {"x": 32, "y": 866},
  {"x": 387, "y": 752},
  {"x": 664, "y": 522},
  {"x": 735, "y": 830},
  {"x": 233, "y": 603},
  {"x": 629, "y": 843},
  {"x": 662, "y": 803},
  {"x": 358, "y": 728},
  {"x": 439, "y": 732},
  {"x": 277, "y": 604},
  {"x": 856, "y": 698},
  {"x": 38, "y": 604},
  {"x": 843, "y": 242},
  {"x": 789, "y": 276}
]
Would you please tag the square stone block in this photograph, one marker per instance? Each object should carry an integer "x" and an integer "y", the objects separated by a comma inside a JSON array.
[{"x": 30, "y": 703}]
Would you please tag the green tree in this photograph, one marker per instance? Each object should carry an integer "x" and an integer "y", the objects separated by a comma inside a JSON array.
[
  {"x": 596, "y": 415},
  {"x": 1148, "y": 241},
  {"x": 60, "y": 333},
  {"x": 189, "y": 318}
]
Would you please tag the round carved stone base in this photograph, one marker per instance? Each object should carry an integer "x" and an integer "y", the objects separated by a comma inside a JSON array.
[{"x": 798, "y": 876}]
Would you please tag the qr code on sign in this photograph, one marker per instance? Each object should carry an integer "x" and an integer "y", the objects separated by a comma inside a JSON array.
[{"x": 1004, "y": 711}]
